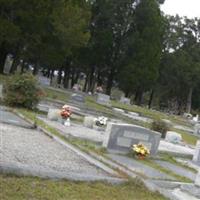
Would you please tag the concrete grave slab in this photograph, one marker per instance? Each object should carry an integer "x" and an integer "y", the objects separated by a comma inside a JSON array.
[
  {"x": 177, "y": 169},
  {"x": 139, "y": 167}
]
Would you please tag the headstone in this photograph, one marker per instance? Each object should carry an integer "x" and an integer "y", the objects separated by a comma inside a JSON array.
[
  {"x": 8, "y": 64},
  {"x": 125, "y": 100},
  {"x": 196, "y": 156},
  {"x": 103, "y": 99},
  {"x": 118, "y": 110},
  {"x": 119, "y": 138},
  {"x": 53, "y": 114},
  {"x": 187, "y": 115},
  {"x": 1, "y": 91},
  {"x": 197, "y": 129},
  {"x": 173, "y": 137},
  {"x": 197, "y": 180},
  {"x": 88, "y": 121},
  {"x": 134, "y": 114},
  {"x": 79, "y": 98}
]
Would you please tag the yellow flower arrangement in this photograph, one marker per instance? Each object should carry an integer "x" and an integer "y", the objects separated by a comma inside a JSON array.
[{"x": 140, "y": 150}]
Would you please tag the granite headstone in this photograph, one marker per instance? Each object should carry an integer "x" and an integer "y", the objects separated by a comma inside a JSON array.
[
  {"x": 197, "y": 129},
  {"x": 77, "y": 98},
  {"x": 1, "y": 91},
  {"x": 196, "y": 156},
  {"x": 8, "y": 64},
  {"x": 197, "y": 180},
  {"x": 119, "y": 138},
  {"x": 125, "y": 100},
  {"x": 103, "y": 99}
]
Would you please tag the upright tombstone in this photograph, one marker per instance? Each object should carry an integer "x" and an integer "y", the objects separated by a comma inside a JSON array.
[
  {"x": 1, "y": 91},
  {"x": 197, "y": 129},
  {"x": 103, "y": 99},
  {"x": 77, "y": 98},
  {"x": 125, "y": 100},
  {"x": 196, "y": 156},
  {"x": 197, "y": 180},
  {"x": 119, "y": 138},
  {"x": 8, "y": 64}
]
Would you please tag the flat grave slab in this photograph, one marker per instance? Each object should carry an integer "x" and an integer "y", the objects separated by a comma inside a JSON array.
[
  {"x": 21, "y": 146},
  {"x": 177, "y": 169},
  {"x": 76, "y": 130},
  {"x": 139, "y": 167},
  {"x": 11, "y": 118},
  {"x": 175, "y": 148}
]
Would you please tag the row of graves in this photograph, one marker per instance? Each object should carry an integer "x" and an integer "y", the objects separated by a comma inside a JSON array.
[{"x": 120, "y": 139}]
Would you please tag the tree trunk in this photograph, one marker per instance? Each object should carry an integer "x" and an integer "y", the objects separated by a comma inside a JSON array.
[
  {"x": 72, "y": 78},
  {"x": 66, "y": 78},
  {"x": 110, "y": 82},
  {"x": 139, "y": 96},
  {"x": 35, "y": 69},
  {"x": 59, "y": 80},
  {"x": 189, "y": 100},
  {"x": 3, "y": 54},
  {"x": 151, "y": 99},
  {"x": 91, "y": 79},
  {"x": 51, "y": 76}
]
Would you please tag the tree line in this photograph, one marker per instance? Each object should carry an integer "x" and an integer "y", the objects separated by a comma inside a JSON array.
[{"x": 126, "y": 44}]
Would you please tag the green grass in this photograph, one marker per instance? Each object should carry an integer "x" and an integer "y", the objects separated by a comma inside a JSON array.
[
  {"x": 3, "y": 78},
  {"x": 56, "y": 95},
  {"x": 23, "y": 188}
]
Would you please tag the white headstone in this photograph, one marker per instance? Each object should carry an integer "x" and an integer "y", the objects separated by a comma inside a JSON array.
[
  {"x": 8, "y": 64},
  {"x": 196, "y": 156},
  {"x": 53, "y": 114},
  {"x": 197, "y": 180},
  {"x": 88, "y": 121},
  {"x": 173, "y": 137}
]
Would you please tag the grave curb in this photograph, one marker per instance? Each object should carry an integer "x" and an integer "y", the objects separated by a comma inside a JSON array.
[{"x": 80, "y": 153}]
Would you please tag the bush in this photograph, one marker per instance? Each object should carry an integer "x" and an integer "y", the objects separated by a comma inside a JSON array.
[
  {"x": 116, "y": 94},
  {"x": 160, "y": 126},
  {"x": 21, "y": 90}
]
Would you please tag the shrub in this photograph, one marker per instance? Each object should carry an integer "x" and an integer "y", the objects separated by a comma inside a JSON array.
[
  {"x": 160, "y": 126},
  {"x": 116, "y": 94},
  {"x": 22, "y": 90}
]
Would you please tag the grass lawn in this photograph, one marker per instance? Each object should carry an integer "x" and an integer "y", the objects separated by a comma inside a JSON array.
[
  {"x": 23, "y": 188},
  {"x": 56, "y": 95}
]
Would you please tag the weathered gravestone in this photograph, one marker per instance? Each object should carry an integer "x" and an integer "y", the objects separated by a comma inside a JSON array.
[
  {"x": 77, "y": 98},
  {"x": 197, "y": 129},
  {"x": 88, "y": 121},
  {"x": 8, "y": 64},
  {"x": 1, "y": 91},
  {"x": 197, "y": 180},
  {"x": 53, "y": 114},
  {"x": 103, "y": 99},
  {"x": 125, "y": 100},
  {"x": 119, "y": 138},
  {"x": 196, "y": 156}
]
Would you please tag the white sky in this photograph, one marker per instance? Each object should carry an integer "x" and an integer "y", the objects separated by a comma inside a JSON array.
[{"x": 189, "y": 8}]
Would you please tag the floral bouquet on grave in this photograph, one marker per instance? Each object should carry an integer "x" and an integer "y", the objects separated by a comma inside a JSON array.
[
  {"x": 65, "y": 112},
  {"x": 140, "y": 151}
]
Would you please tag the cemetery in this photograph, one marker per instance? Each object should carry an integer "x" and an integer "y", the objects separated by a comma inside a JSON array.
[
  {"x": 102, "y": 135},
  {"x": 99, "y": 100}
]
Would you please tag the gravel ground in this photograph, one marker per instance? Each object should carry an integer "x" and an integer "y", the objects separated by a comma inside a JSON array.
[{"x": 33, "y": 148}]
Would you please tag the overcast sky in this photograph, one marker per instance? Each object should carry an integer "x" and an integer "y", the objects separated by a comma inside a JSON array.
[{"x": 189, "y": 8}]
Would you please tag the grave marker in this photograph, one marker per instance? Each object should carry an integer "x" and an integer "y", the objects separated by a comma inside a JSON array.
[
  {"x": 103, "y": 99},
  {"x": 119, "y": 138},
  {"x": 196, "y": 156},
  {"x": 8, "y": 64},
  {"x": 125, "y": 100}
]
